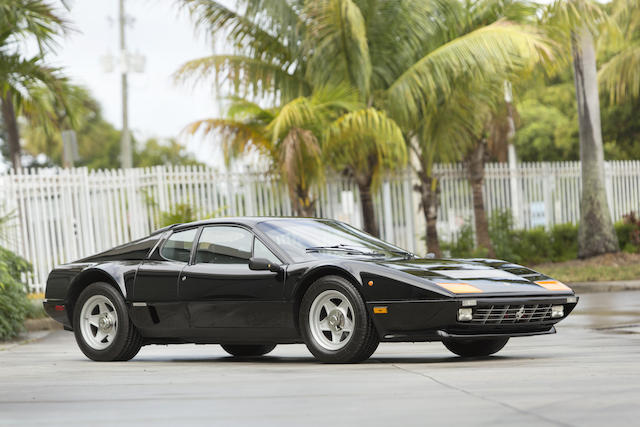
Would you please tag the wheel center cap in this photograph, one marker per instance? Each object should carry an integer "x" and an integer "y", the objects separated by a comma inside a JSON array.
[
  {"x": 336, "y": 320},
  {"x": 105, "y": 322}
]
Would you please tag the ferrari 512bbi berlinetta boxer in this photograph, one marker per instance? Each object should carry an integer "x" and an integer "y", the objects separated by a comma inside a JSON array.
[{"x": 251, "y": 283}]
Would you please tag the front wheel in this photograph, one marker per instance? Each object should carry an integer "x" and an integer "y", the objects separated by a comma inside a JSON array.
[
  {"x": 475, "y": 348},
  {"x": 102, "y": 326},
  {"x": 334, "y": 322},
  {"x": 248, "y": 350}
]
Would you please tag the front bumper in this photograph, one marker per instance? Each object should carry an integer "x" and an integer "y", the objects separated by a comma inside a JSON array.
[{"x": 435, "y": 320}]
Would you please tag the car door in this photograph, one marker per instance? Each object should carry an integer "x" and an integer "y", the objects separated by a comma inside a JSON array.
[
  {"x": 155, "y": 296},
  {"x": 224, "y": 295}
]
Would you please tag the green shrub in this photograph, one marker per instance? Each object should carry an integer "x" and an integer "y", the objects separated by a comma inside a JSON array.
[
  {"x": 564, "y": 242},
  {"x": 14, "y": 305},
  {"x": 527, "y": 247},
  {"x": 533, "y": 246},
  {"x": 180, "y": 213},
  {"x": 465, "y": 245},
  {"x": 628, "y": 231}
]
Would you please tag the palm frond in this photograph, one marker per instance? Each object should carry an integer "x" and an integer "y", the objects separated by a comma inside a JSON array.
[
  {"x": 235, "y": 137},
  {"x": 619, "y": 76},
  {"x": 337, "y": 40},
  {"x": 365, "y": 141},
  {"x": 397, "y": 33},
  {"x": 282, "y": 17},
  {"x": 298, "y": 113},
  {"x": 496, "y": 49},
  {"x": 31, "y": 20},
  {"x": 300, "y": 160},
  {"x": 248, "y": 76},
  {"x": 243, "y": 32}
]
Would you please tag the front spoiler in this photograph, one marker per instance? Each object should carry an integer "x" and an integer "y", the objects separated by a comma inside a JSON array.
[
  {"x": 435, "y": 320},
  {"x": 447, "y": 335}
]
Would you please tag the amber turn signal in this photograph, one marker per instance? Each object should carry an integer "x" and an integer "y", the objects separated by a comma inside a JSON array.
[
  {"x": 459, "y": 288},
  {"x": 553, "y": 285}
]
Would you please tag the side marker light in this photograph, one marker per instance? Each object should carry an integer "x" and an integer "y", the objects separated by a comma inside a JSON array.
[
  {"x": 370, "y": 283},
  {"x": 380, "y": 310}
]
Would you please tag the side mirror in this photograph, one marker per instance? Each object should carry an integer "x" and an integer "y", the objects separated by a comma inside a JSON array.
[{"x": 263, "y": 264}]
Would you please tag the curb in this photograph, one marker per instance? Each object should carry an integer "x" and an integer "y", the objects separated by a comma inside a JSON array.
[
  {"x": 42, "y": 324},
  {"x": 27, "y": 338},
  {"x": 610, "y": 286}
]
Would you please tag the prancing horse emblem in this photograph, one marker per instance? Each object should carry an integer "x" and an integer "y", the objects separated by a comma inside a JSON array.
[{"x": 520, "y": 313}]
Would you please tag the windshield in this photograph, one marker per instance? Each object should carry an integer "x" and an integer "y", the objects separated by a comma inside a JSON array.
[{"x": 302, "y": 238}]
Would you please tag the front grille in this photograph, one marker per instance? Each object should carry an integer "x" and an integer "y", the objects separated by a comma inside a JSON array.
[{"x": 515, "y": 313}]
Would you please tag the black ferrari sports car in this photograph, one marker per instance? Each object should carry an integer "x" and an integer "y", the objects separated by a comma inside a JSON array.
[{"x": 252, "y": 283}]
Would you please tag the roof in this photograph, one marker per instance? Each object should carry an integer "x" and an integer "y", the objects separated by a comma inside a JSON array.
[{"x": 246, "y": 220}]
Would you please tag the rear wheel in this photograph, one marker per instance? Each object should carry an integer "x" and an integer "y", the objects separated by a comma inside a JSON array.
[
  {"x": 334, "y": 322},
  {"x": 475, "y": 348},
  {"x": 102, "y": 326},
  {"x": 248, "y": 350}
]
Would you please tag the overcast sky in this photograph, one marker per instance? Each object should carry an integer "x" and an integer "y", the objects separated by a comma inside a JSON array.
[{"x": 158, "y": 107}]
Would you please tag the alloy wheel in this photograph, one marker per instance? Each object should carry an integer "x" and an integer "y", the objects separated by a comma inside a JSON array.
[
  {"x": 98, "y": 322},
  {"x": 331, "y": 320}
]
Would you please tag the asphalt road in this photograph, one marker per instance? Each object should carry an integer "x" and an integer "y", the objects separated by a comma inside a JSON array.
[{"x": 587, "y": 374}]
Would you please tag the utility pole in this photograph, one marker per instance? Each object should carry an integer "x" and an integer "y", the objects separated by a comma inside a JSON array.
[{"x": 126, "y": 151}]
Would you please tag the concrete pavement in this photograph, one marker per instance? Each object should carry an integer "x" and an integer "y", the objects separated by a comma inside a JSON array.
[{"x": 587, "y": 374}]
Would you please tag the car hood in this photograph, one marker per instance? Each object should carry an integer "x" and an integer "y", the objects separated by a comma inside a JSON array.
[{"x": 480, "y": 275}]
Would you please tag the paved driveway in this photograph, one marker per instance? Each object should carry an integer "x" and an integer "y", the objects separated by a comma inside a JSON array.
[{"x": 587, "y": 374}]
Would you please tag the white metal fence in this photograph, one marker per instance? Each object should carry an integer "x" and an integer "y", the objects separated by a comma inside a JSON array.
[{"x": 62, "y": 215}]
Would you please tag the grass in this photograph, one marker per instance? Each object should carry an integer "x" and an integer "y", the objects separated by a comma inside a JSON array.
[{"x": 619, "y": 266}]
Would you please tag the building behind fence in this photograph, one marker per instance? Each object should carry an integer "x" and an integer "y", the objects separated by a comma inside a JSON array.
[{"x": 63, "y": 215}]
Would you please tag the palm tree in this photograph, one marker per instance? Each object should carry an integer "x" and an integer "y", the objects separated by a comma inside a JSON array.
[
  {"x": 413, "y": 59},
  {"x": 291, "y": 136},
  {"x": 275, "y": 67},
  {"x": 48, "y": 114},
  {"x": 576, "y": 21},
  {"x": 22, "y": 22},
  {"x": 365, "y": 143},
  {"x": 403, "y": 57}
]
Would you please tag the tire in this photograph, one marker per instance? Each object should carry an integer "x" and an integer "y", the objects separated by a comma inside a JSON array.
[
  {"x": 475, "y": 348},
  {"x": 248, "y": 350},
  {"x": 333, "y": 308},
  {"x": 101, "y": 311}
]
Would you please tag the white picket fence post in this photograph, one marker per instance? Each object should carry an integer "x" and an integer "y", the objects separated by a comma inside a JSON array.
[{"x": 59, "y": 215}]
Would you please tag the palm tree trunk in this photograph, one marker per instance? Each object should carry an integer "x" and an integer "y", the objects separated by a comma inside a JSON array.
[
  {"x": 596, "y": 234},
  {"x": 429, "y": 189},
  {"x": 366, "y": 201},
  {"x": 11, "y": 125},
  {"x": 301, "y": 203},
  {"x": 476, "y": 179}
]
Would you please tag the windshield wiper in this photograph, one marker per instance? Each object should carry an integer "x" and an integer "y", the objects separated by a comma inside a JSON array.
[
  {"x": 343, "y": 248},
  {"x": 405, "y": 254}
]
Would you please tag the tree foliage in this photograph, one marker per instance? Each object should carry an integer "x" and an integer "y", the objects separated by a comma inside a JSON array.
[{"x": 14, "y": 305}]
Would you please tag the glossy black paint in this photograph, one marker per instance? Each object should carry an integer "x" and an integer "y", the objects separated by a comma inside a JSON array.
[{"x": 171, "y": 301}]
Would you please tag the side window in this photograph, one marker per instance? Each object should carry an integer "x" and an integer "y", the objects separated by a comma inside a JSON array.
[
  {"x": 178, "y": 245},
  {"x": 261, "y": 251},
  {"x": 224, "y": 245}
]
